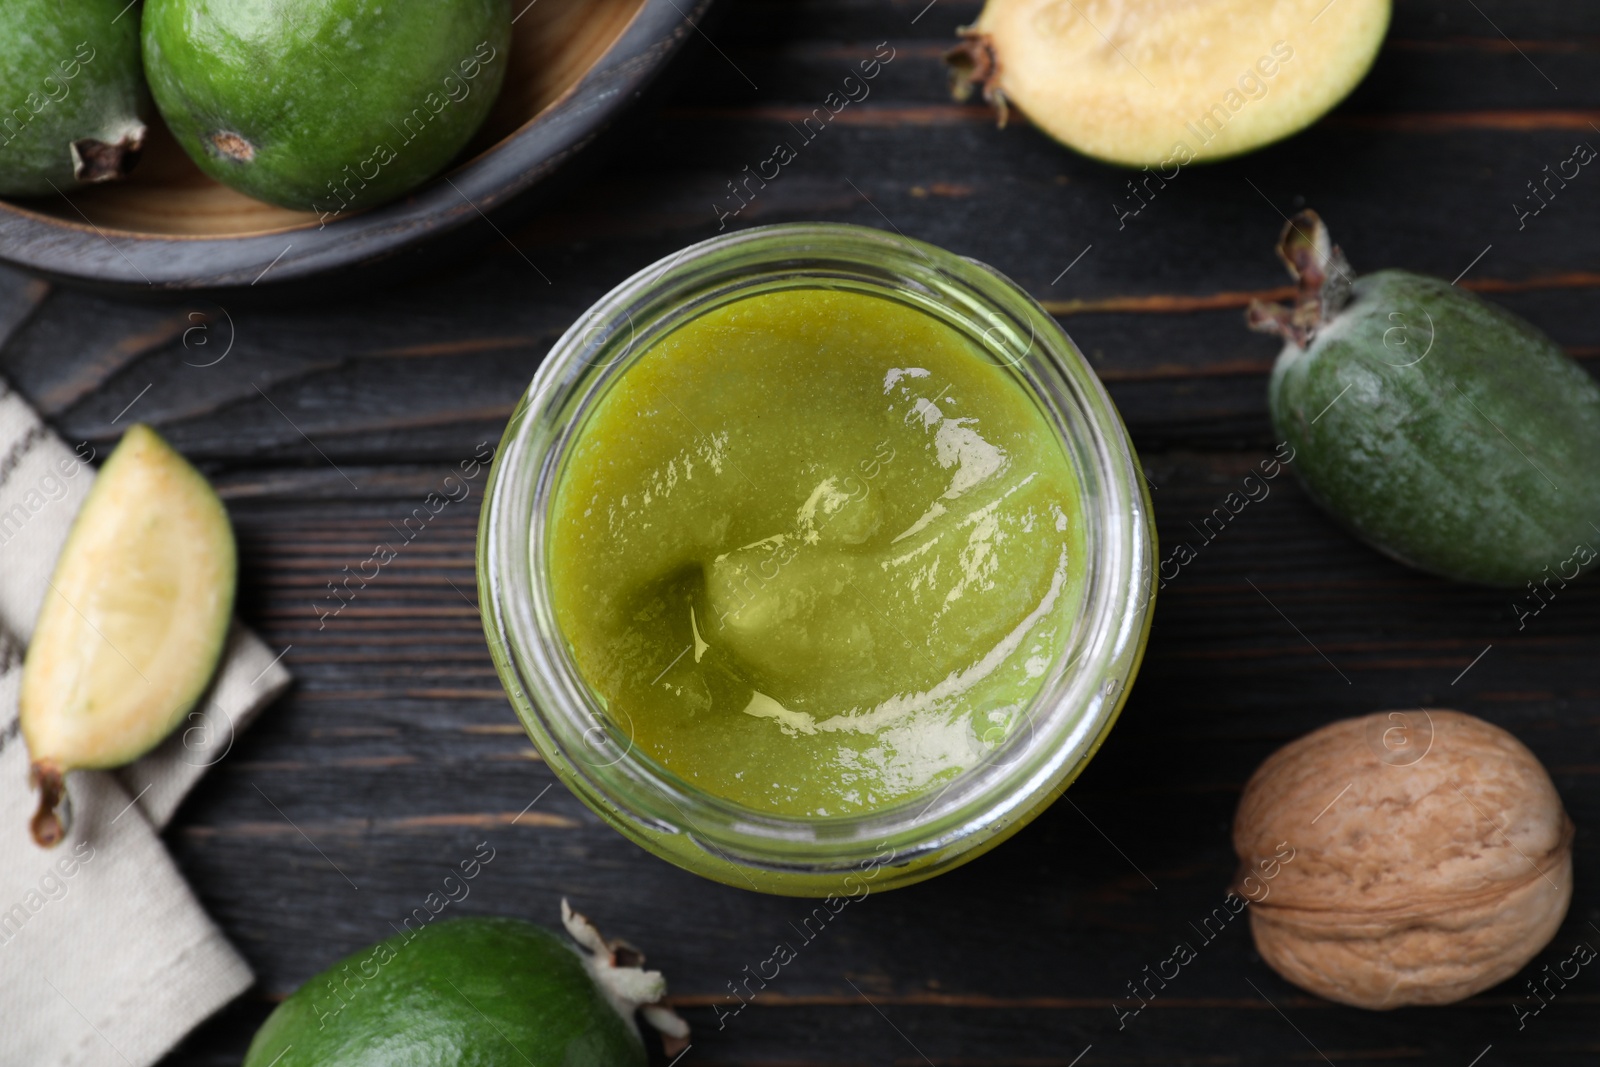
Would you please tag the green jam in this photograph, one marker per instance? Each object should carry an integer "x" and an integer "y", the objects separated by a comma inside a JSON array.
[{"x": 815, "y": 551}]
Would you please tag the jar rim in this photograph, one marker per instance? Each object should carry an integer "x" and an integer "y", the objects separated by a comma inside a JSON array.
[{"x": 1083, "y": 689}]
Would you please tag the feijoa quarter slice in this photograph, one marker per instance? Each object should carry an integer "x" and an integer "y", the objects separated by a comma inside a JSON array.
[
  {"x": 134, "y": 621},
  {"x": 1441, "y": 428}
]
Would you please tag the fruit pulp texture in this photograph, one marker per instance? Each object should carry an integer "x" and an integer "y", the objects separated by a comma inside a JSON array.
[
  {"x": 1163, "y": 83},
  {"x": 815, "y": 551},
  {"x": 137, "y": 615}
]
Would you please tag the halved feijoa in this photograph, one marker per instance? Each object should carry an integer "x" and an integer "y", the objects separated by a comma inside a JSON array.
[
  {"x": 72, "y": 87},
  {"x": 1441, "y": 428},
  {"x": 1166, "y": 82},
  {"x": 134, "y": 621}
]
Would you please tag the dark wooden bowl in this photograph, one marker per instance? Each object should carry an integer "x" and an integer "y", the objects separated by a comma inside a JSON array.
[{"x": 574, "y": 65}]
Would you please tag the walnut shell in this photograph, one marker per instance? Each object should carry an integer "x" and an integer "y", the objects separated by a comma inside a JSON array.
[{"x": 1431, "y": 858}]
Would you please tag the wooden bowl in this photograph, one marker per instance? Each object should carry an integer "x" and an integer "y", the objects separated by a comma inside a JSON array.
[{"x": 574, "y": 65}]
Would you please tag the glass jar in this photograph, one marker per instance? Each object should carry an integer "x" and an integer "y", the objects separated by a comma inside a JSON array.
[{"x": 1080, "y": 695}]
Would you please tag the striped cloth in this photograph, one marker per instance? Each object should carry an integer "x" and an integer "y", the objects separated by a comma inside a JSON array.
[{"x": 106, "y": 958}]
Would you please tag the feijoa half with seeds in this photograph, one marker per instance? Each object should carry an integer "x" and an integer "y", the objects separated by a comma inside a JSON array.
[
  {"x": 1441, "y": 428},
  {"x": 134, "y": 623}
]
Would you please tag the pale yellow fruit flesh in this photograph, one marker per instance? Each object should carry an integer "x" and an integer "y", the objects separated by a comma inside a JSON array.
[
  {"x": 1161, "y": 83},
  {"x": 136, "y": 615}
]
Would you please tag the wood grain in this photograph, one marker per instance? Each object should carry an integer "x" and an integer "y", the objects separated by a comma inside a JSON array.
[{"x": 398, "y": 753}]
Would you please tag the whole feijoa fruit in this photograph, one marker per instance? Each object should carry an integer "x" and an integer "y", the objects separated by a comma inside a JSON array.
[
  {"x": 329, "y": 106},
  {"x": 473, "y": 991},
  {"x": 72, "y": 90},
  {"x": 1444, "y": 430}
]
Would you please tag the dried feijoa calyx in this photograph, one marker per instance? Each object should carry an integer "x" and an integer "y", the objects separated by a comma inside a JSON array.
[
  {"x": 134, "y": 622},
  {"x": 72, "y": 89},
  {"x": 1162, "y": 84},
  {"x": 1432, "y": 858},
  {"x": 475, "y": 991},
  {"x": 1442, "y": 429}
]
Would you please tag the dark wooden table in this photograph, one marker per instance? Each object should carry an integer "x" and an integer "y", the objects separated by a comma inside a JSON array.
[{"x": 397, "y": 753}]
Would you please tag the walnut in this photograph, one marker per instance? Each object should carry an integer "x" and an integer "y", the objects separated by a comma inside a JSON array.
[{"x": 1432, "y": 858}]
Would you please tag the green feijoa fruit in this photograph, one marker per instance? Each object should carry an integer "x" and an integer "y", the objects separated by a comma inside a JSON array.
[
  {"x": 1442, "y": 429},
  {"x": 481, "y": 991},
  {"x": 329, "y": 106},
  {"x": 135, "y": 622},
  {"x": 71, "y": 90}
]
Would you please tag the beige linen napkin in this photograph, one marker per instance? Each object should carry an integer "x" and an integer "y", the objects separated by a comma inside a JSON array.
[{"x": 106, "y": 958}]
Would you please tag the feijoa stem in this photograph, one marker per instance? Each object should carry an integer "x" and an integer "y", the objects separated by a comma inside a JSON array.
[
  {"x": 1320, "y": 271},
  {"x": 618, "y": 968},
  {"x": 96, "y": 161},
  {"x": 974, "y": 65},
  {"x": 49, "y": 825}
]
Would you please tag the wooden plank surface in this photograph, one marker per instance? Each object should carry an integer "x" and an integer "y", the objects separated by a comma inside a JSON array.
[{"x": 397, "y": 753}]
